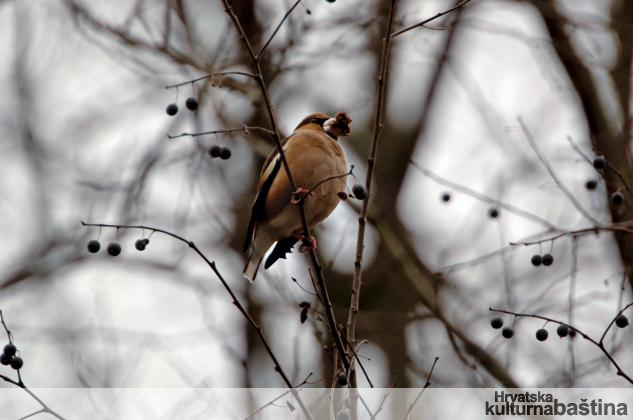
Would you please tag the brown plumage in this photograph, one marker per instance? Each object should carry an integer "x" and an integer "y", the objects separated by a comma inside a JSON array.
[{"x": 313, "y": 154}]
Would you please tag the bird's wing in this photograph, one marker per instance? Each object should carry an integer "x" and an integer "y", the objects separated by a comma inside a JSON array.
[
  {"x": 259, "y": 205},
  {"x": 283, "y": 247}
]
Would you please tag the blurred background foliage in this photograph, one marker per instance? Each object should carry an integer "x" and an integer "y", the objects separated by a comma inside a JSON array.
[{"x": 85, "y": 138}]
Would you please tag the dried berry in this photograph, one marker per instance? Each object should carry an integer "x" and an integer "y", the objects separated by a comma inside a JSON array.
[
  {"x": 591, "y": 185},
  {"x": 493, "y": 213},
  {"x": 541, "y": 334},
  {"x": 225, "y": 153},
  {"x": 140, "y": 244},
  {"x": 9, "y": 350},
  {"x": 562, "y": 331},
  {"x": 507, "y": 332},
  {"x": 446, "y": 197},
  {"x": 496, "y": 323},
  {"x": 359, "y": 192},
  {"x": 548, "y": 259},
  {"x": 536, "y": 260},
  {"x": 191, "y": 103},
  {"x": 17, "y": 362},
  {"x": 616, "y": 198},
  {"x": 171, "y": 110},
  {"x": 598, "y": 162},
  {"x": 214, "y": 151},
  {"x": 621, "y": 321},
  {"x": 114, "y": 249},
  {"x": 94, "y": 246}
]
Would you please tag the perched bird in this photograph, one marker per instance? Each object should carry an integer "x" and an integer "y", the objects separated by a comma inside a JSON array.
[{"x": 313, "y": 155}]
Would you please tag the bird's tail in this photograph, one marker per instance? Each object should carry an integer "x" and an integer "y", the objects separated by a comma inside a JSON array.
[{"x": 255, "y": 257}]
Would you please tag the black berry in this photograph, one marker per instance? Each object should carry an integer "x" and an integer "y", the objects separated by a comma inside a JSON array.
[
  {"x": 114, "y": 249},
  {"x": 591, "y": 184},
  {"x": 225, "y": 153},
  {"x": 17, "y": 363},
  {"x": 214, "y": 151},
  {"x": 330, "y": 1},
  {"x": 496, "y": 323},
  {"x": 140, "y": 244},
  {"x": 191, "y": 103},
  {"x": 572, "y": 333},
  {"x": 598, "y": 162},
  {"x": 341, "y": 379},
  {"x": 446, "y": 197},
  {"x": 94, "y": 246},
  {"x": 9, "y": 350},
  {"x": 548, "y": 259},
  {"x": 536, "y": 260},
  {"x": 616, "y": 198},
  {"x": 541, "y": 334},
  {"x": 359, "y": 192},
  {"x": 507, "y": 332},
  {"x": 621, "y": 321},
  {"x": 493, "y": 213},
  {"x": 4, "y": 359},
  {"x": 172, "y": 109},
  {"x": 562, "y": 331}
]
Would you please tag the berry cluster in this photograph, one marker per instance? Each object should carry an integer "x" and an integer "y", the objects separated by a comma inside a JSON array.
[
  {"x": 9, "y": 357},
  {"x": 545, "y": 259},
  {"x": 621, "y": 321},
  {"x": 223, "y": 153},
  {"x": 114, "y": 248},
  {"x": 191, "y": 103},
  {"x": 616, "y": 198}
]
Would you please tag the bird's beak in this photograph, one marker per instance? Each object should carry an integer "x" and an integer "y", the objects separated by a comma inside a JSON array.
[{"x": 327, "y": 125}]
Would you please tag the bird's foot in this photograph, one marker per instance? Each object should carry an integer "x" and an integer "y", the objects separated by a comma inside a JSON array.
[
  {"x": 300, "y": 194},
  {"x": 307, "y": 243}
]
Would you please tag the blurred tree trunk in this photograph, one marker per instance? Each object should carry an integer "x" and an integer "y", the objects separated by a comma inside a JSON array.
[{"x": 610, "y": 132}]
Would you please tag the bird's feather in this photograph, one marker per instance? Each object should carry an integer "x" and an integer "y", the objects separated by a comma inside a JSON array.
[
  {"x": 259, "y": 205},
  {"x": 283, "y": 247}
]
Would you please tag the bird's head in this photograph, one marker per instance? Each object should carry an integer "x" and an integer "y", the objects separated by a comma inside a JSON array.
[
  {"x": 333, "y": 126},
  {"x": 313, "y": 121}
]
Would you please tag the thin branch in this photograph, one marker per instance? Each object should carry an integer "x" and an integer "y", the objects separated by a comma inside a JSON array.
[
  {"x": 20, "y": 383},
  {"x": 584, "y": 335},
  {"x": 616, "y": 227},
  {"x": 255, "y": 326},
  {"x": 481, "y": 197},
  {"x": 426, "y": 385},
  {"x": 329, "y": 178},
  {"x": 212, "y": 75},
  {"x": 424, "y": 22},
  {"x": 259, "y": 54},
  {"x": 245, "y": 129},
  {"x": 563, "y": 188},
  {"x": 376, "y": 131},
  {"x": 300, "y": 205}
]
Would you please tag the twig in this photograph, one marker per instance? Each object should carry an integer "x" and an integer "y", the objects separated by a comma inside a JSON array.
[
  {"x": 212, "y": 75},
  {"x": 255, "y": 326},
  {"x": 329, "y": 178},
  {"x": 259, "y": 54},
  {"x": 424, "y": 22},
  {"x": 20, "y": 383},
  {"x": 598, "y": 344},
  {"x": 245, "y": 129},
  {"x": 426, "y": 385},
  {"x": 563, "y": 188},
  {"x": 617, "y": 227},
  {"x": 300, "y": 206},
  {"x": 377, "y": 129},
  {"x": 481, "y": 197}
]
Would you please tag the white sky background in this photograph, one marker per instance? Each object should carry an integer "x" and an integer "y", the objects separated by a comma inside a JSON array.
[{"x": 98, "y": 112}]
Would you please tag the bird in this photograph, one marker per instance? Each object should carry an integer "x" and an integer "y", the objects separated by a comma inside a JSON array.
[{"x": 318, "y": 166}]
